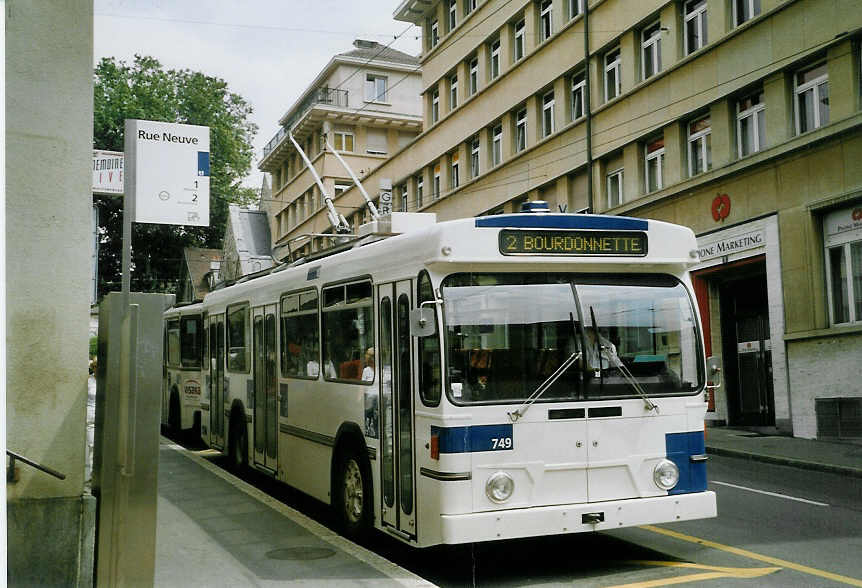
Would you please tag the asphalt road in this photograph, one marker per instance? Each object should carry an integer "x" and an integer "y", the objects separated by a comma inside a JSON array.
[{"x": 777, "y": 526}]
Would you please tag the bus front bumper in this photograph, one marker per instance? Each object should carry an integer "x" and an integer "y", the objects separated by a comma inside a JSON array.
[{"x": 576, "y": 518}]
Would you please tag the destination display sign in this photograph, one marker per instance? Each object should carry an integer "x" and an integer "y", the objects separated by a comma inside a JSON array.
[{"x": 542, "y": 242}]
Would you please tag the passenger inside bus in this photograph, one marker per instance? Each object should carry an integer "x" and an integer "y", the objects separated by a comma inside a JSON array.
[{"x": 368, "y": 370}]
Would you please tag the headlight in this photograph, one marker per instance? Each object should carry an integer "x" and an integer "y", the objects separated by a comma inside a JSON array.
[
  {"x": 499, "y": 487},
  {"x": 665, "y": 474}
]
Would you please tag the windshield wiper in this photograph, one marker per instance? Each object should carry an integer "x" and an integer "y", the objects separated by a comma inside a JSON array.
[
  {"x": 614, "y": 360},
  {"x": 522, "y": 410}
]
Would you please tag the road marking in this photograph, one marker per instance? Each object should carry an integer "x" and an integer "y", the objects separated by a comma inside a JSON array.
[
  {"x": 715, "y": 573},
  {"x": 806, "y": 501},
  {"x": 752, "y": 555}
]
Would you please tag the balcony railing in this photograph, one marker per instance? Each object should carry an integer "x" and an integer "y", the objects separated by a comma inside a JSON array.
[{"x": 324, "y": 95}]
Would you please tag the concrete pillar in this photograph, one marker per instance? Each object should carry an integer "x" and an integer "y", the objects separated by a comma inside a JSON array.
[
  {"x": 483, "y": 53},
  {"x": 49, "y": 128},
  {"x": 531, "y": 26},
  {"x": 463, "y": 71},
  {"x": 843, "y": 68},
  {"x": 723, "y": 144},
  {"x": 672, "y": 40},
  {"x": 509, "y": 134},
  {"x": 506, "y": 40},
  {"x": 561, "y": 115},
  {"x": 629, "y": 54},
  {"x": 675, "y": 161},
  {"x": 633, "y": 177},
  {"x": 558, "y": 15},
  {"x": 534, "y": 125},
  {"x": 777, "y": 95},
  {"x": 719, "y": 14}
]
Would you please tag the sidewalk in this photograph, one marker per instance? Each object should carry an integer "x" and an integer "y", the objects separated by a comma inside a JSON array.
[
  {"x": 216, "y": 530},
  {"x": 825, "y": 456}
]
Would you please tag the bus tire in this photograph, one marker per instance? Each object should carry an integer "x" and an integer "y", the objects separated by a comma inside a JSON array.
[
  {"x": 237, "y": 454},
  {"x": 174, "y": 414},
  {"x": 353, "y": 499}
]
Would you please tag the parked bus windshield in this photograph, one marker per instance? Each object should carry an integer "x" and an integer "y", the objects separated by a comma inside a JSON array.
[{"x": 508, "y": 333}]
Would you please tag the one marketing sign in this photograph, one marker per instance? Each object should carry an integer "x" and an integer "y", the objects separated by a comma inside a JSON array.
[
  {"x": 168, "y": 172},
  {"x": 107, "y": 172}
]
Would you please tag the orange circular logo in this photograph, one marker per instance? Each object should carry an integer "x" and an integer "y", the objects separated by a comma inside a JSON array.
[{"x": 720, "y": 207}]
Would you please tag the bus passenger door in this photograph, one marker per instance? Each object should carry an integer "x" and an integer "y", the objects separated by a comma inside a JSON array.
[
  {"x": 265, "y": 386},
  {"x": 397, "y": 481},
  {"x": 216, "y": 384}
]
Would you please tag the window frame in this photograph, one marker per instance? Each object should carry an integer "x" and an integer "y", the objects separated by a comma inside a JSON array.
[
  {"x": 434, "y": 34},
  {"x": 420, "y": 186},
  {"x": 614, "y": 66},
  {"x": 756, "y": 112},
  {"x": 651, "y": 45},
  {"x": 548, "y": 113},
  {"x": 403, "y": 198},
  {"x": 578, "y": 86},
  {"x": 191, "y": 361},
  {"x": 754, "y": 9},
  {"x": 475, "y": 152},
  {"x": 519, "y": 45},
  {"x": 344, "y": 305},
  {"x": 706, "y": 149},
  {"x": 695, "y": 10},
  {"x": 496, "y": 145},
  {"x": 377, "y": 98},
  {"x": 435, "y": 106},
  {"x": 237, "y": 307},
  {"x": 649, "y": 156},
  {"x": 546, "y": 20},
  {"x": 469, "y": 6},
  {"x": 845, "y": 242},
  {"x": 425, "y": 359},
  {"x": 454, "y": 171},
  {"x": 618, "y": 175},
  {"x": 343, "y": 136},
  {"x": 575, "y": 8},
  {"x": 435, "y": 182},
  {"x": 283, "y": 330},
  {"x": 453, "y": 92},
  {"x": 494, "y": 68},
  {"x": 473, "y": 79},
  {"x": 813, "y": 86},
  {"x": 452, "y": 20},
  {"x": 520, "y": 130}
]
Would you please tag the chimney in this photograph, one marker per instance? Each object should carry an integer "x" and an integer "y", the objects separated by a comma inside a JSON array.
[{"x": 363, "y": 44}]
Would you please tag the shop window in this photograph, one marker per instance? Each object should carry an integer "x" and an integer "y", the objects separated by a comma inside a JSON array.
[{"x": 842, "y": 232}]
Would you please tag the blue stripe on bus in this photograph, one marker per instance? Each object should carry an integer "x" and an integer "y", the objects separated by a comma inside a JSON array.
[
  {"x": 679, "y": 447},
  {"x": 563, "y": 221},
  {"x": 474, "y": 438}
]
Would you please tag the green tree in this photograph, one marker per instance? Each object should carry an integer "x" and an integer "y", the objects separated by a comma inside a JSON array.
[{"x": 145, "y": 90}]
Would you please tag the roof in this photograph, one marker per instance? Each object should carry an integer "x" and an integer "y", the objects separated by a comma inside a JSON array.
[
  {"x": 372, "y": 50},
  {"x": 252, "y": 238},
  {"x": 198, "y": 264}
]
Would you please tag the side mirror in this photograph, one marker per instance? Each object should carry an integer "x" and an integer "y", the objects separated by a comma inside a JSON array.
[
  {"x": 422, "y": 323},
  {"x": 713, "y": 372}
]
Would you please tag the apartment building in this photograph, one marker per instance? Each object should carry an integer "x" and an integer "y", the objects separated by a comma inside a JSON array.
[
  {"x": 364, "y": 104},
  {"x": 738, "y": 118}
]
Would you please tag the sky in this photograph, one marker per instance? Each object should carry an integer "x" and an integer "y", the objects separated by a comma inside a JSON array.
[{"x": 268, "y": 51}]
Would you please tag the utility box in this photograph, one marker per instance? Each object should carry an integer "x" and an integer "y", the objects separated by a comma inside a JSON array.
[{"x": 126, "y": 448}]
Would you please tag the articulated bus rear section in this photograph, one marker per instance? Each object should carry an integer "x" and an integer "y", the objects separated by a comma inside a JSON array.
[{"x": 182, "y": 383}]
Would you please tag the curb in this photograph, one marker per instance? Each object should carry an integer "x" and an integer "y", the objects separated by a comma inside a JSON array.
[{"x": 788, "y": 461}]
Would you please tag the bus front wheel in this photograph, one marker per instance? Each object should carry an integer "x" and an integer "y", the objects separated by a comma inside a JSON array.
[{"x": 353, "y": 497}]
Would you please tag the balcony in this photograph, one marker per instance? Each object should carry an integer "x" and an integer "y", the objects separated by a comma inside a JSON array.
[{"x": 322, "y": 96}]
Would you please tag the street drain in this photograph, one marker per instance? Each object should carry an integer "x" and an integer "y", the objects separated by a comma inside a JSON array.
[{"x": 301, "y": 553}]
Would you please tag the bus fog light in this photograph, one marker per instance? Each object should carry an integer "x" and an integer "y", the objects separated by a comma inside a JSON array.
[
  {"x": 665, "y": 474},
  {"x": 499, "y": 487}
]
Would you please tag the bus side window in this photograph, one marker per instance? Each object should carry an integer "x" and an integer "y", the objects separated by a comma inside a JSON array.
[
  {"x": 190, "y": 341},
  {"x": 237, "y": 328},
  {"x": 348, "y": 331},
  {"x": 429, "y": 349},
  {"x": 173, "y": 343},
  {"x": 300, "y": 336}
]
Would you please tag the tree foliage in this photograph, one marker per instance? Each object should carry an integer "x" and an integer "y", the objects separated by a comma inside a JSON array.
[{"x": 145, "y": 90}]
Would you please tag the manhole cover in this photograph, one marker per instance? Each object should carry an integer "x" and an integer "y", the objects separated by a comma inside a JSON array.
[{"x": 301, "y": 553}]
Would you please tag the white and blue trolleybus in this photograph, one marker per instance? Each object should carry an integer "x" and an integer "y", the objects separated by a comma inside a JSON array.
[{"x": 472, "y": 380}]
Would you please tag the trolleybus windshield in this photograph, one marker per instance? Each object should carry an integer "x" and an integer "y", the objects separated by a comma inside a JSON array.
[{"x": 507, "y": 333}]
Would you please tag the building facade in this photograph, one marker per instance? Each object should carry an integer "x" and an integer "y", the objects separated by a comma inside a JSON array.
[
  {"x": 738, "y": 118},
  {"x": 365, "y": 105}
]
